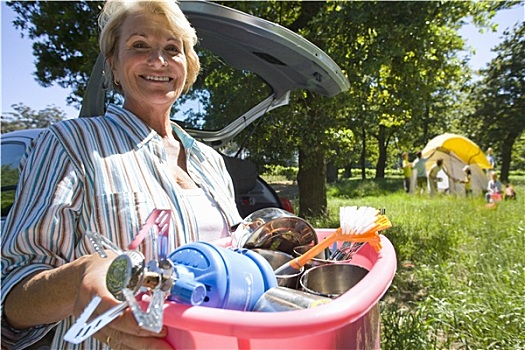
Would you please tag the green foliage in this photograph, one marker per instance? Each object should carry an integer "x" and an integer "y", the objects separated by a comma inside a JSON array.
[
  {"x": 289, "y": 173},
  {"x": 407, "y": 81},
  {"x": 9, "y": 175},
  {"x": 222, "y": 93},
  {"x": 500, "y": 97},
  {"x": 357, "y": 188},
  {"x": 518, "y": 154},
  {"x": 404, "y": 77}
]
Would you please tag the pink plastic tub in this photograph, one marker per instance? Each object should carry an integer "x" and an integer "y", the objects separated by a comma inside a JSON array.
[{"x": 348, "y": 322}]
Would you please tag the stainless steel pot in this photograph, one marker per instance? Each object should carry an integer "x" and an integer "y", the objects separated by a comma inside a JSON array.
[
  {"x": 277, "y": 259},
  {"x": 274, "y": 229},
  {"x": 331, "y": 280}
]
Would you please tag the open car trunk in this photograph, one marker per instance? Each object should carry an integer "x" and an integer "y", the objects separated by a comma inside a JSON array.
[{"x": 284, "y": 60}]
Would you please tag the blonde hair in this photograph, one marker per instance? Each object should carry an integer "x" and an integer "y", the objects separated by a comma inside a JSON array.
[{"x": 115, "y": 12}]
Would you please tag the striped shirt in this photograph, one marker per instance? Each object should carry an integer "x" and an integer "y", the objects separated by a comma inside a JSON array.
[{"x": 103, "y": 174}]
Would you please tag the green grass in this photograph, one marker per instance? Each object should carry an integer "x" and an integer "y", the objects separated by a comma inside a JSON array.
[{"x": 460, "y": 282}]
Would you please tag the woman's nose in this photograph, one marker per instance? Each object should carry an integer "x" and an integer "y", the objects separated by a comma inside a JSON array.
[{"x": 157, "y": 58}]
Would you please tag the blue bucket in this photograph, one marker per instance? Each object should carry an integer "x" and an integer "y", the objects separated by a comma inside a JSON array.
[{"x": 234, "y": 279}]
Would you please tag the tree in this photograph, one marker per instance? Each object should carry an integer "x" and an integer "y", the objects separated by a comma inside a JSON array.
[
  {"x": 65, "y": 35},
  {"x": 26, "y": 118},
  {"x": 399, "y": 57},
  {"x": 501, "y": 97}
]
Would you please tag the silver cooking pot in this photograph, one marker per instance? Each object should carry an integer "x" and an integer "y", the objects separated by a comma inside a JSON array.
[{"x": 274, "y": 229}]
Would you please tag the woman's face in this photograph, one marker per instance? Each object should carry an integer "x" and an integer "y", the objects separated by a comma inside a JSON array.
[{"x": 150, "y": 64}]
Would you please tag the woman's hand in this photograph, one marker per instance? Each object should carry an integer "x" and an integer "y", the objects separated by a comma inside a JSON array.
[{"x": 123, "y": 332}]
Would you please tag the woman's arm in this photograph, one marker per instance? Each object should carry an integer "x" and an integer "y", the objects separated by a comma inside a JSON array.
[
  {"x": 50, "y": 296},
  {"x": 39, "y": 236},
  {"x": 47, "y": 272}
]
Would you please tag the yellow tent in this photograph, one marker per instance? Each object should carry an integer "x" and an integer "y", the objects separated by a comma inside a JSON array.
[
  {"x": 463, "y": 148},
  {"x": 457, "y": 152}
]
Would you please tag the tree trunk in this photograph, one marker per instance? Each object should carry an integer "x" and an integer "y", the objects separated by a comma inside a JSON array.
[
  {"x": 311, "y": 180},
  {"x": 362, "y": 159},
  {"x": 348, "y": 171},
  {"x": 426, "y": 122},
  {"x": 506, "y": 156},
  {"x": 332, "y": 173},
  {"x": 381, "y": 161}
]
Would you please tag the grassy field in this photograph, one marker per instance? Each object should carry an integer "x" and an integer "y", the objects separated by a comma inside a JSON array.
[{"x": 460, "y": 282}]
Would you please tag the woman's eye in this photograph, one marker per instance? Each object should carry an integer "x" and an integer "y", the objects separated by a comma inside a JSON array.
[
  {"x": 172, "y": 49},
  {"x": 140, "y": 45}
]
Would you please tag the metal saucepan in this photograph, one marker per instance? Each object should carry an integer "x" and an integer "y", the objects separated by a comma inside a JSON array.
[
  {"x": 277, "y": 259},
  {"x": 274, "y": 229}
]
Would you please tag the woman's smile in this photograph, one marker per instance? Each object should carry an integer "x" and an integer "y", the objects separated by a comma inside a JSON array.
[{"x": 156, "y": 78}]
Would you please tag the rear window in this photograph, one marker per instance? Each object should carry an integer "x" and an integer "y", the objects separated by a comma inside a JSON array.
[{"x": 12, "y": 152}]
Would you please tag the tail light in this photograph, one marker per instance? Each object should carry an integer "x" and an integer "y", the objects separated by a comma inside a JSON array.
[{"x": 287, "y": 204}]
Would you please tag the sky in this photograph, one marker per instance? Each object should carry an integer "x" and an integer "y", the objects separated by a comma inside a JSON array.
[{"x": 20, "y": 86}]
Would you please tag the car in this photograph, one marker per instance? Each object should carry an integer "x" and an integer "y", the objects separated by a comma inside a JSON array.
[
  {"x": 282, "y": 59},
  {"x": 13, "y": 147}
]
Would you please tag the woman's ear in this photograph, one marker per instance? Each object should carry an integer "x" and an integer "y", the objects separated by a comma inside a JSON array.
[{"x": 110, "y": 63}]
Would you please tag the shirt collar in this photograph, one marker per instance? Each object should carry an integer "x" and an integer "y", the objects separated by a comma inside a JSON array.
[
  {"x": 139, "y": 131},
  {"x": 185, "y": 138}
]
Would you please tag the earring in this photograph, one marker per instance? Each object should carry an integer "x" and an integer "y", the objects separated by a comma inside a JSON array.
[{"x": 116, "y": 82}]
